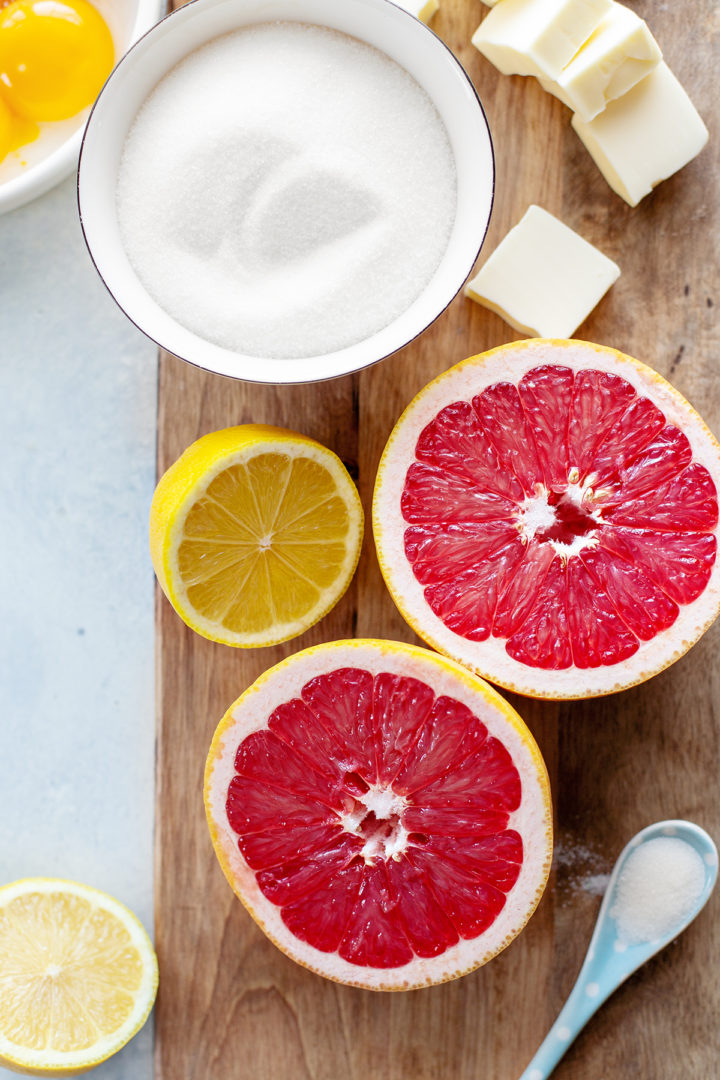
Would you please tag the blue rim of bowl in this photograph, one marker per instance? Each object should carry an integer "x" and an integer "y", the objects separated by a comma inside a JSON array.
[{"x": 326, "y": 378}]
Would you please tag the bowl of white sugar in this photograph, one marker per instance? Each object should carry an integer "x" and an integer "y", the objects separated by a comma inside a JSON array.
[{"x": 289, "y": 190}]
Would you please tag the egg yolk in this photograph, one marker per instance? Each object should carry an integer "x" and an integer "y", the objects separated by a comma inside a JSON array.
[
  {"x": 15, "y": 131},
  {"x": 54, "y": 57},
  {"x": 6, "y": 127}
]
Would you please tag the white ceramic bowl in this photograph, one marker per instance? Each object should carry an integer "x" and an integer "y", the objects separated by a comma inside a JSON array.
[
  {"x": 54, "y": 155},
  {"x": 377, "y": 22}
]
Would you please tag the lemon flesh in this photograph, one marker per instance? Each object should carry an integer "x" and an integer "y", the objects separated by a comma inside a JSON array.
[
  {"x": 78, "y": 977},
  {"x": 255, "y": 534}
]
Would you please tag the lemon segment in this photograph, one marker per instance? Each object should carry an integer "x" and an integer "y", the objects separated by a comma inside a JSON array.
[
  {"x": 78, "y": 980},
  {"x": 255, "y": 533}
]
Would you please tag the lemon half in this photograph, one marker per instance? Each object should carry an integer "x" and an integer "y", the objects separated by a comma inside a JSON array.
[
  {"x": 255, "y": 533},
  {"x": 78, "y": 977}
]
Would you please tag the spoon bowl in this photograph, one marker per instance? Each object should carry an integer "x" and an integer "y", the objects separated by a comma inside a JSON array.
[{"x": 610, "y": 960}]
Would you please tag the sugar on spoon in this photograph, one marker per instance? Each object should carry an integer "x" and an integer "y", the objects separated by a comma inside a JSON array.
[{"x": 661, "y": 880}]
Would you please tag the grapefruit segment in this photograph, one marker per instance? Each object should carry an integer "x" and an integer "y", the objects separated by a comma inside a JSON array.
[
  {"x": 502, "y": 790},
  {"x": 679, "y": 563},
  {"x": 502, "y": 416},
  {"x": 580, "y": 555},
  {"x": 342, "y": 702},
  {"x": 456, "y": 442},
  {"x": 660, "y": 461},
  {"x": 262, "y": 850},
  {"x": 253, "y": 807},
  {"x": 435, "y": 496},
  {"x": 543, "y": 638},
  {"x": 401, "y": 860},
  {"x": 450, "y": 733},
  {"x": 300, "y": 728},
  {"x": 598, "y": 635},
  {"x": 495, "y": 859},
  {"x": 267, "y": 759},
  {"x": 461, "y": 590},
  {"x": 467, "y": 602},
  {"x": 599, "y": 400},
  {"x": 631, "y": 433},
  {"x": 400, "y": 709},
  {"x": 439, "y": 552},
  {"x": 321, "y": 918},
  {"x": 546, "y": 395},
  {"x": 375, "y": 932},
  {"x": 459, "y": 823},
  {"x": 427, "y": 928},
  {"x": 471, "y": 904},
  {"x": 690, "y": 497},
  {"x": 645, "y": 608},
  {"x": 519, "y": 589},
  {"x": 289, "y": 880}
]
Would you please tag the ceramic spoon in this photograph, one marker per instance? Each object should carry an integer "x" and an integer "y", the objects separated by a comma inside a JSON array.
[{"x": 609, "y": 960}]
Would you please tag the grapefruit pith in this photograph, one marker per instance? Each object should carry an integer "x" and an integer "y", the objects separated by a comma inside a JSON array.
[
  {"x": 382, "y": 813},
  {"x": 546, "y": 513}
]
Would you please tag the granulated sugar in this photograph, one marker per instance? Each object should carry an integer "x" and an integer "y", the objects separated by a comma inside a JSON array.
[
  {"x": 286, "y": 191},
  {"x": 657, "y": 889},
  {"x": 580, "y": 869}
]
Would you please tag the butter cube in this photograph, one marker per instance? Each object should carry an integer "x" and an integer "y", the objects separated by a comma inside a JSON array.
[
  {"x": 645, "y": 136},
  {"x": 537, "y": 37},
  {"x": 543, "y": 278},
  {"x": 616, "y": 56},
  {"x": 421, "y": 9}
]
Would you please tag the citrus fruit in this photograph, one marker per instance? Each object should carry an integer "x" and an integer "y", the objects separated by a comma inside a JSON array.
[
  {"x": 546, "y": 513},
  {"x": 383, "y": 814},
  {"x": 78, "y": 976},
  {"x": 255, "y": 533}
]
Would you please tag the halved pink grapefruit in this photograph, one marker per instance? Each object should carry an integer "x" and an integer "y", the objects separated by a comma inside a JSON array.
[
  {"x": 546, "y": 513},
  {"x": 382, "y": 813}
]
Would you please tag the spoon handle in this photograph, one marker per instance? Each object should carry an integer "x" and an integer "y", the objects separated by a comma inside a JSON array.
[{"x": 585, "y": 998}]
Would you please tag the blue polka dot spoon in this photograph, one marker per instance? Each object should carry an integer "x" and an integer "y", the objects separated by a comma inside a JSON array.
[{"x": 610, "y": 960}]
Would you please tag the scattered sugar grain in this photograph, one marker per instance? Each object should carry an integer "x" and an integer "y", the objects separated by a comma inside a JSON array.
[
  {"x": 286, "y": 191},
  {"x": 595, "y": 884},
  {"x": 657, "y": 889},
  {"x": 580, "y": 870}
]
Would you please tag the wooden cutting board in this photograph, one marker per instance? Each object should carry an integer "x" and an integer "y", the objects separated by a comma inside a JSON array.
[{"x": 231, "y": 1006}]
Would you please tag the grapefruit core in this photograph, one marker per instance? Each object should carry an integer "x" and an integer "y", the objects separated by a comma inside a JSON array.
[
  {"x": 546, "y": 513},
  {"x": 382, "y": 813}
]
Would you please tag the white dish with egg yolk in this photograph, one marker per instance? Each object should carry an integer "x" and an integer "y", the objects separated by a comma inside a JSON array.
[{"x": 54, "y": 154}]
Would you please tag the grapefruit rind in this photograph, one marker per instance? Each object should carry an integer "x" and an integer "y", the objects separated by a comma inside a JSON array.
[
  {"x": 489, "y": 658},
  {"x": 46, "y": 1063},
  {"x": 188, "y": 478},
  {"x": 533, "y": 820}
]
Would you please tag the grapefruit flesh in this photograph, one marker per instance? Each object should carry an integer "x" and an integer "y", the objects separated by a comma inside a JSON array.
[
  {"x": 547, "y": 513},
  {"x": 382, "y": 813}
]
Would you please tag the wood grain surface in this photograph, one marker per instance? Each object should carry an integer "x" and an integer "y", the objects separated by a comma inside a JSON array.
[{"x": 231, "y": 1006}]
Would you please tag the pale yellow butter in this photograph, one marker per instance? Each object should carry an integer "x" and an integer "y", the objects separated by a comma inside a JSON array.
[
  {"x": 421, "y": 9},
  {"x": 543, "y": 278},
  {"x": 616, "y": 56},
  {"x": 644, "y": 136},
  {"x": 537, "y": 37}
]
